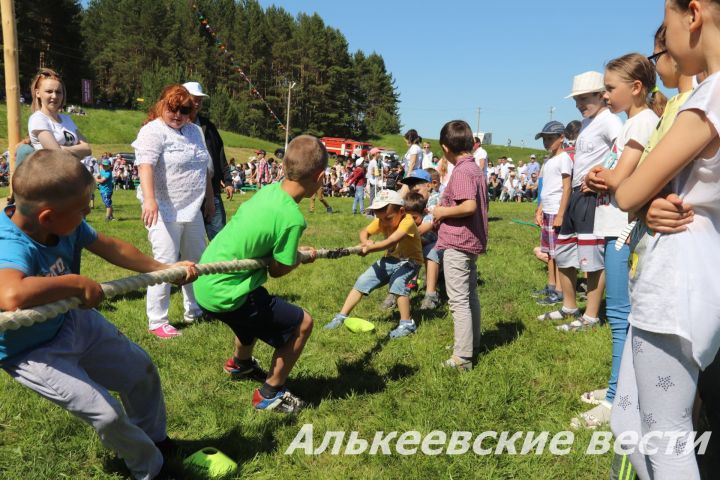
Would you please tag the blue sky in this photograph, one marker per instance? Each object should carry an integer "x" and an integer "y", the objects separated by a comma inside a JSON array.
[{"x": 514, "y": 59}]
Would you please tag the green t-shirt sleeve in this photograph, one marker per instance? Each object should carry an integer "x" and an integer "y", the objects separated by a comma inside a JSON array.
[{"x": 285, "y": 250}]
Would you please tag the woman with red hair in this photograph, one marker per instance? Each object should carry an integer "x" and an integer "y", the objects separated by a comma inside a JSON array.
[{"x": 175, "y": 169}]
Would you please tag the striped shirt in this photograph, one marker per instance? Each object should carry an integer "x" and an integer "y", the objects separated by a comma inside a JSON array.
[{"x": 466, "y": 234}]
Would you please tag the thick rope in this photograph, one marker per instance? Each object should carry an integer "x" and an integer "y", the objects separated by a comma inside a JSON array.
[{"x": 122, "y": 286}]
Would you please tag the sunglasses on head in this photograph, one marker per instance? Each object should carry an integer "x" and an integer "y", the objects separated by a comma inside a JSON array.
[
  {"x": 184, "y": 110},
  {"x": 655, "y": 57}
]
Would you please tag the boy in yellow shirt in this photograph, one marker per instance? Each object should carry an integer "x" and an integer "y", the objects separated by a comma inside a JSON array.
[{"x": 401, "y": 262}]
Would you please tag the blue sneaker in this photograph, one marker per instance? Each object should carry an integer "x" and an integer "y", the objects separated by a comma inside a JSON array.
[
  {"x": 541, "y": 293},
  {"x": 335, "y": 322},
  {"x": 405, "y": 328},
  {"x": 283, "y": 401},
  {"x": 552, "y": 299}
]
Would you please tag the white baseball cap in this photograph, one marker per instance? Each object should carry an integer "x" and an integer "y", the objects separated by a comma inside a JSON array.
[
  {"x": 195, "y": 89},
  {"x": 385, "y": 198},
  {"x": 588, "y": 82}
]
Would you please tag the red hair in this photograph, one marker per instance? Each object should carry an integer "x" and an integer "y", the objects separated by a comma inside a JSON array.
[{"x": 171, "y": 98}]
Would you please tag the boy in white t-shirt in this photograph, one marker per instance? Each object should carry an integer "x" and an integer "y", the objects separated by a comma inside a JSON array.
[
  {"x": 557, "y": 175},
  {"x": 577, "y": 246}
]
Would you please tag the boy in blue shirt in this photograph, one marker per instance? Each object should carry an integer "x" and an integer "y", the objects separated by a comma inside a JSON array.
[
  {"x": 105, "y": 184},
  {"x": 74, "y": 359}
]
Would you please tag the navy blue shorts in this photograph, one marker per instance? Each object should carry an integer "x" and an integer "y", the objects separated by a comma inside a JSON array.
[{"x": 263, "y": 316}]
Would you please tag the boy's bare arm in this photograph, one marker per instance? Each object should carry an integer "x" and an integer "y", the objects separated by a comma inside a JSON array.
[
  {"x": 465, "y": 209},
  {"x": 564, "y": 200},
  {"x": 125, "y": 255},
  {"x": 364, "y": 236},
  {"x": 386, "y": 244},
  {"x": 20, "y": 291},
  {"x": 425, "y": 227}
]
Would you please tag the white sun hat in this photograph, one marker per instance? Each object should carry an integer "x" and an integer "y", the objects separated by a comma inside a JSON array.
[
  {"x": 195, "y": 89},
  {"x": 588, "y": 82}
]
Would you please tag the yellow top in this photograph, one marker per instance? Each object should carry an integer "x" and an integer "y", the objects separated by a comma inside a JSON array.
[
  {"x": 668, "y": 118},
  {"x": 410, "y": 247}
]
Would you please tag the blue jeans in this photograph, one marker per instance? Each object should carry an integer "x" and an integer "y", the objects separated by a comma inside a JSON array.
[
  {"x": 359, "y": 200},
  {"x": 388, "y": 271},
  {"x": 617, "y": 298},
  {"x": 217, "y": 222}
]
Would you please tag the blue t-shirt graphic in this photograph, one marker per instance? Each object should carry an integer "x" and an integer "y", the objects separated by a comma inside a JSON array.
[{"x": 20, "y": 252}]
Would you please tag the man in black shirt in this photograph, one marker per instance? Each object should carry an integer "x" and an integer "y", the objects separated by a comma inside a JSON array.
[{"x": 222, "y": 178}]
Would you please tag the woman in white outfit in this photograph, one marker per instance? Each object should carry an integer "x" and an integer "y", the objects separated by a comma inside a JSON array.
[{"x": 175, "y": 171}]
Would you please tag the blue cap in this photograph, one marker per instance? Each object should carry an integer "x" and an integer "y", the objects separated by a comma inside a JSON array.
[
  {"x": 417, "y": 176},
  {"x": 551, "y": 128},
  {"x": 105, "y": 162}
]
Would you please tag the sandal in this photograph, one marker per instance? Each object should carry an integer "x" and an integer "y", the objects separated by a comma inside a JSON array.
[
  {"x": 597, "y": 416},
  {"x": 558, "y": 315},
  {"x": 578, "y": 325},
  {"x": 457, "y": 363},
  {"x": 594, "y": 397}
]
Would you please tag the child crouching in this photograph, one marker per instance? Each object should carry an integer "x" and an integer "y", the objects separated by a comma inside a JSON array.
[{"x": 400, "y": 264}]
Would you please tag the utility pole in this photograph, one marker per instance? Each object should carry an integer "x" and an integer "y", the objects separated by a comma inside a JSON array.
[
  {"x": 552, "y": 110},
  {"x": 287, "y": 125}
]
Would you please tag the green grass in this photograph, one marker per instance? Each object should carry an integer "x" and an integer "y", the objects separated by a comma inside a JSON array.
[
  {"x": 528, "y": 378},
  {"x": 397, "y": 143},
  {"x": 115, "y": 130}
]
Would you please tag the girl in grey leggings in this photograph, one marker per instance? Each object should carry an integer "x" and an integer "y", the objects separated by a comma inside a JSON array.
[{"x": 652, "y": 412}]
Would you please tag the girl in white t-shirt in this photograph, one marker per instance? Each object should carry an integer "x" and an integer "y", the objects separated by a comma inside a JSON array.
[
  {"x": 629, "y": 80},
  {"x": 675, "y": 316},
  {"x": 48, "y": 128},
  {"x": 414, "y": 156}
]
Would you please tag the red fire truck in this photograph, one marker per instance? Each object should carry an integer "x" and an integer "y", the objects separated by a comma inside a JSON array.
[{"x": 345, "y": 146}]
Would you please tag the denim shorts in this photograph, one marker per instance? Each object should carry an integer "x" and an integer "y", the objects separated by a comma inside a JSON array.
[
  {"x": 430, "y": 253},
  {"x": 388, "y": 270},
  {"x": 106, "y": 198}
]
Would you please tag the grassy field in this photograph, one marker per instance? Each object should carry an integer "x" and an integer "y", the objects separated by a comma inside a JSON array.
[
  {"x": 114, "y": 131},
  {"x": 528, "y": 377}
]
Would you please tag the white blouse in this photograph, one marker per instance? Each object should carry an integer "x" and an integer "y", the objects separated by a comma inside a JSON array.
[{"x": 180, "y": 162}]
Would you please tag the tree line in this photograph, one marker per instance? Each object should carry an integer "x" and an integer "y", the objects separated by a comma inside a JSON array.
[{"x": 132, "y": 48}]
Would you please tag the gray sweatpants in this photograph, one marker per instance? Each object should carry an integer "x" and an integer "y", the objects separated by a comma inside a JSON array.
[
  {"x": 461, "y": 286},
  {"x": 656, "y": 391},
  {"x": 87, "y": 358}
]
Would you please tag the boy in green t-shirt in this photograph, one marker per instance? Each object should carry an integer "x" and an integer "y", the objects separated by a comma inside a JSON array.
[{"x": 268, "y": 225}]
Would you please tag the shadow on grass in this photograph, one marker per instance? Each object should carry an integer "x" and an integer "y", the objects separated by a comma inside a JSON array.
[
  {"x": 494, "y": 219},
  {"x": 504, "y": 333},
  {"x": 355, "y": 377},
  {"x": 233, "y": 443}
]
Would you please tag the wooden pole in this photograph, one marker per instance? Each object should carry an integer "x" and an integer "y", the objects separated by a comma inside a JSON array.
[{"x": 12, "y": 78}]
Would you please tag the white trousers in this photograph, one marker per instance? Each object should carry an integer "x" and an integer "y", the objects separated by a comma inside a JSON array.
[
  {"x": 173, "y": 241},
  {"x": 77, "y": 369}
]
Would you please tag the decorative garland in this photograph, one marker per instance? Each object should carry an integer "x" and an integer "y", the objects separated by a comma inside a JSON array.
[{"x": 223, "y": 48}]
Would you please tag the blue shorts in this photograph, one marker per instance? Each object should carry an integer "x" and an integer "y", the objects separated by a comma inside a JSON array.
[
  {"x": 388, "y": 270},
  {"x": 430, "y": 253},
  {"x": 106, "y": 198},
  {"x": 263, "y": 316}
]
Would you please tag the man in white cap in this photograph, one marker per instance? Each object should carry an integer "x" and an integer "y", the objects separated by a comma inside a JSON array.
[
  {"x": 216, "y": 148},
  {"x": 533, "y": 166}
]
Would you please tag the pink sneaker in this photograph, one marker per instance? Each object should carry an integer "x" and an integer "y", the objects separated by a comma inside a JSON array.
[{"x": 166, "y": 331}]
